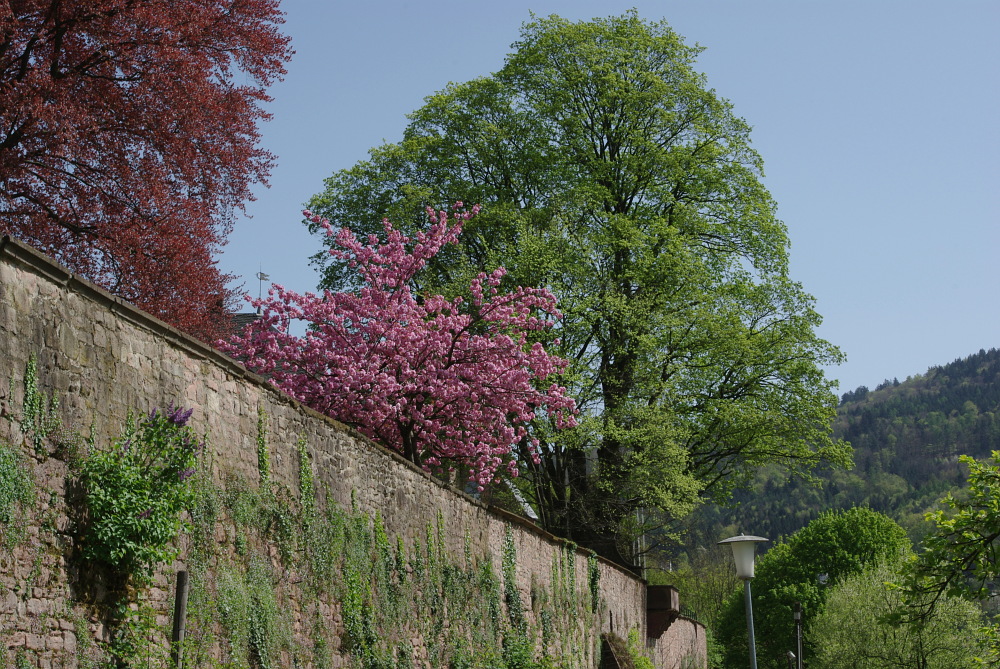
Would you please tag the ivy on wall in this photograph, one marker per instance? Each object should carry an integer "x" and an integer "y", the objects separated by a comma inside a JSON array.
[
  {"x": 40, "y": 412},
  {"x": 17, "y": 495},
  {"x": 355, "y": 590},
  {"x": 279, "y": 578}
]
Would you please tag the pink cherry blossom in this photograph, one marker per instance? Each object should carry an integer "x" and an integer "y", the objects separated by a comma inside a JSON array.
[{"x": 431, "y": 378}]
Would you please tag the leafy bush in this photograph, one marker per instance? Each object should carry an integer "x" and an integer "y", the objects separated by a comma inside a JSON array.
[
  {"x": 136, "y": 490},
  {"x": 635, "y": 651}
]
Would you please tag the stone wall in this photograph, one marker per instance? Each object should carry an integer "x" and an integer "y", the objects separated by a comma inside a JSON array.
[
  {"x": 102, "y": 358},
  {"x": 682, "y": 646}
]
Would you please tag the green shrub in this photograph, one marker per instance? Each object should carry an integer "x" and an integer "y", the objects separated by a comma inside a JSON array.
[
  {"x": 635, "y": 652},
  {"x": 135, "y": 493}
]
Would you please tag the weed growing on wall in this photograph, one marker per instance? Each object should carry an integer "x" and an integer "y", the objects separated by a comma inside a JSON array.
[
  {"x": 263, "y": 452},
  {"x": 636, "y": 653},
  {"x": 40, "y": 412},
  {"x": 594, "y": 580},
  {"x": 21, "y": 660},
  {"x": 135, "y": 641},
  {"x": 307, "y": 482},
  {"x": 254, "y": 626},
  {"x": 17, "y": 495}
]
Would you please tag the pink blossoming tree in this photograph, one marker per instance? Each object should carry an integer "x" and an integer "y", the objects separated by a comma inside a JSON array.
[{"x": 440, "y": 381}]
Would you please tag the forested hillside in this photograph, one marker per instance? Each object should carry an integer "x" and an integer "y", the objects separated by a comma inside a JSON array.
[{"x": 907, "y": 436}]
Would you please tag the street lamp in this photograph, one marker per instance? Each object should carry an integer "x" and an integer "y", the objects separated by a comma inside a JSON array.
[
  {"x": 744, "y": 548},
  {"x": 797, "y": 616}
]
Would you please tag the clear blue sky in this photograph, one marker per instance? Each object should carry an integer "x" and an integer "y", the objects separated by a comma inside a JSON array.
[{"x": 877, "y": 121}]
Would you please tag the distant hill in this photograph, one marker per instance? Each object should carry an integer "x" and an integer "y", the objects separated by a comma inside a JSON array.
[{"x": 907, "y": 436}]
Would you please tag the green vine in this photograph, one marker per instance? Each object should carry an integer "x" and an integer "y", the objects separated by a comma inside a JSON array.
[
  {"x": 21, "y": 660},
  {"x": 255, "y": 626},
  {"x": 260, "y": 554},
  {"x": 17, "y": 495},
  {"x": 40, "y": 414},
  {"x": 511, "y": 595},
  {"x": 263, "y": 452},
  {"x": 594, "y": 580},
  {"x": 307, "y": 482}
]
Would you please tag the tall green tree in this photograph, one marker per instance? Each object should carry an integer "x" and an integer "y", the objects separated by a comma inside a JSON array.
[{"x": 612, "y": 175}]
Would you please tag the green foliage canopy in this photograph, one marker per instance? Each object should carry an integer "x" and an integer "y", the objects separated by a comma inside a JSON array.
[
  {"x": 853, "y": 629},
  {"x": 906, "y": 436},
  {"x": 837, "y": 544},
  {"x": 961, "y": 556},
  {"x": 612, "y": 175}
]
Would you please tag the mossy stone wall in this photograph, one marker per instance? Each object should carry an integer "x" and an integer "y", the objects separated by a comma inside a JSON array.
[{"x": 101, "y": 358}]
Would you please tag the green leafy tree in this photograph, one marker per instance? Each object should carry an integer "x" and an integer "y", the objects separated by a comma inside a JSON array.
[
  {"x": 853, "y": 629},
  {"x": 803, "y": 568},
  {"x": 961, "y": 556},
  {"x": 612, "y": 175}
]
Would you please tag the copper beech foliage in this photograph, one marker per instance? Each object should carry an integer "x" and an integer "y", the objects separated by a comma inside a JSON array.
[
  {"x": 128, "y": 135},
  {"x": 446, "y": 382}
]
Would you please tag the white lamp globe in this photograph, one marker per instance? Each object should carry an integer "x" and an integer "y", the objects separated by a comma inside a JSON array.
[{"x": 744, "y": 547}]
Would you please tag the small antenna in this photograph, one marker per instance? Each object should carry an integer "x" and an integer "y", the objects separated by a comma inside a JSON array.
[{"x": 261, "y": 278}]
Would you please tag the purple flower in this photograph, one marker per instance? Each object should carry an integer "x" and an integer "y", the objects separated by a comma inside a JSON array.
[
  {"x": 185, "y": 474},
  {"x": 178, "y": 416},
  {"x": 145, "y": 514}
]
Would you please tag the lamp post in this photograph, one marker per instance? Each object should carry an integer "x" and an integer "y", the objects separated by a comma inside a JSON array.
[
  {"x": 797, "y": 615},
  {"x": 744, "y": 548}
]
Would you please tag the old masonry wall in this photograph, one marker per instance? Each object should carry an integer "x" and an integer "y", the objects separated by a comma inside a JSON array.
[{"x": 462, "y": 578}]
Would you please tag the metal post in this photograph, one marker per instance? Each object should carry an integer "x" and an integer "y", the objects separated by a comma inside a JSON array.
[
  {"x": 753, "y": 645},
  {"x": 798, "y": 633},
  {"x": 180, "y": 611}
]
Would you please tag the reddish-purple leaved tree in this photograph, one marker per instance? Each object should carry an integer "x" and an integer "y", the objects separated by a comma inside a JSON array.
[{"x": 432, "y": 378}]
